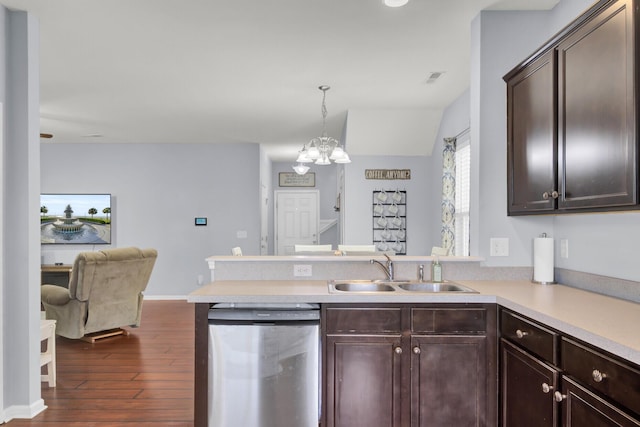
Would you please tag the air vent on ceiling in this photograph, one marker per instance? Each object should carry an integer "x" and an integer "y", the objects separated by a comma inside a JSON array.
[{"x": 433, "y": 76}]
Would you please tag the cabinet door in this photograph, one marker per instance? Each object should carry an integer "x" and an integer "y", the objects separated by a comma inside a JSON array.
[
  {"x": 531, "y": 134},
  {"x": 363, "y": 380},
  {"x": 596, "y": 106},
  {"x": 448, "y": 381},
  {"x": 584, "y": 408},
  {"x": 526, "y": 389}
]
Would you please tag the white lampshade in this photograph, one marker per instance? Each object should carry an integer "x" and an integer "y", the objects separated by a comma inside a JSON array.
[
  {"x": 313, "y": 153},
  {"x": 303, "y": 157},
  {"x": 337, "y": 153},
  {"x": 395, "y": 3},
  {"x": 323, "y": 160},
  {"x": 344, "y": 159},
  {"x": 300, "y": 169}
]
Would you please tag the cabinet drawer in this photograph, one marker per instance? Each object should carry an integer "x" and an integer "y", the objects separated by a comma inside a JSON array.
[
  {"x": 449, "y": 320},
  {"x": 535, "y": 338},
  {"x": 363, "y": 320},
  {"x": 615, "y": 380}
]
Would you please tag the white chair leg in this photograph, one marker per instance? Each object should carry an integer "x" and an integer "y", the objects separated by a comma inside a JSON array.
[{"x": 48, "y": 357}]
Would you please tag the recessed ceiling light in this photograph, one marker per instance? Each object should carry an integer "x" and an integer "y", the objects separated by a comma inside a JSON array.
[{"x": 395, "y": 3}]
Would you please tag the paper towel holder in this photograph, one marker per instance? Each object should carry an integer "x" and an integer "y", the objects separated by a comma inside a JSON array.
[{"x": 552, "y": 282}]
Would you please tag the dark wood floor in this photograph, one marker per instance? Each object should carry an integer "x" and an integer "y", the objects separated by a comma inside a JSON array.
[{"x": 145, "y": 379}]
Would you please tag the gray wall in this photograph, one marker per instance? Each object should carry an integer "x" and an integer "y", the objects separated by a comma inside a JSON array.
[
  {"x": 157, "y": 191},
  {"x": 19, "y": 242},
  {"x": 598, "y": 243},
  {"x": 455, "y": 120},
  {"x": 358, "y": 200}
]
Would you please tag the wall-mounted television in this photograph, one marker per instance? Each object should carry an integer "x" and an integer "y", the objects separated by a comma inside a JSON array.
[{"x": 83, "y": 219}]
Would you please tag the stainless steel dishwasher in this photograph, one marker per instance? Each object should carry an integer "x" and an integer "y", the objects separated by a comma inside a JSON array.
[{"x": 264, "y": 365}]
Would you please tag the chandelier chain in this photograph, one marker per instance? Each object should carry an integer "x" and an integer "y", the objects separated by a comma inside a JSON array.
[{"x": 322, "y": 149}]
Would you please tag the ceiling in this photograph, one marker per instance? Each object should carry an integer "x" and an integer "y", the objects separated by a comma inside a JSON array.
[{"x": 201, "y": 71}]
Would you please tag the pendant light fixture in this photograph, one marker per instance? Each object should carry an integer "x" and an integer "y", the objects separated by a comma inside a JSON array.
[{"x": 322, "y": 150}]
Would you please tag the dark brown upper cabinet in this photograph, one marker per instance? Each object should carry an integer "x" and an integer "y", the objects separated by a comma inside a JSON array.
[{"x": 571, "y": 118}]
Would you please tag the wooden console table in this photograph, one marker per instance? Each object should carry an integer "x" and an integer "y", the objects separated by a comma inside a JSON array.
[{"x": 51, "y": 274}]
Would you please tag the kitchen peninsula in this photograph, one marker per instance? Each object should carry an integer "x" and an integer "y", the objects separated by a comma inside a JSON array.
[{"x": 606, "y": 327}]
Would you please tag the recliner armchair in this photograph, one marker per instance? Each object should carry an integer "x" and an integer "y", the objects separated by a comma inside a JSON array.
[{"x": 105, "y": 292}]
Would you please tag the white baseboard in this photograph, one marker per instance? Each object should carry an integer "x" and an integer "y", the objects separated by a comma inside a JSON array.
[{"x": 23, "y": 411}]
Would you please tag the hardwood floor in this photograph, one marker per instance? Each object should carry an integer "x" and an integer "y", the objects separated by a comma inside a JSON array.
[{"x": 145, "y": 379}]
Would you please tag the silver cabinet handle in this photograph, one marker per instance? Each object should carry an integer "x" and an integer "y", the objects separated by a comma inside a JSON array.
[
  {"x": 416, "y": 350},
  {"x": 598, "y": 376},
  {"x": 546, "y": 388},
  {"x": 398, "y": 350},
  {"x": 559, "y": 397},
  {"x": 521, "y": 334},
  {"x": 550, "y": 194}
]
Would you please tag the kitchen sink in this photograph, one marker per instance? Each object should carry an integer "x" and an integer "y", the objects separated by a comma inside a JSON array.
[
  {"x": 434, "y": 287},
  {"x": 362, "y": 286},
  {"x": 395, "y": 286}
]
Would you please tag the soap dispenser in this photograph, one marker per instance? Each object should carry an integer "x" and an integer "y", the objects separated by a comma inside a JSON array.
[{"x": 436, "y": 271}]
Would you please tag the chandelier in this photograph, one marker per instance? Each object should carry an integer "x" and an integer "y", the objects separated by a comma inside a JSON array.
[{"x": 322, "y": 149}]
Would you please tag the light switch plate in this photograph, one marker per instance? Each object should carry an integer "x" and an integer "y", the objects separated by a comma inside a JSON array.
[
  {"x": 564, "y": 248},
  {"x": 499, "y": 246}
]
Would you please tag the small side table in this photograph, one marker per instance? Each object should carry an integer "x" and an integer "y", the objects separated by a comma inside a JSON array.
[
  {"x": 48, "y": 356},
  {"x": 55, "y": 274}
]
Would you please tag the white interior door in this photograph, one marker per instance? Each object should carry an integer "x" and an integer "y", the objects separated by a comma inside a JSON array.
[{"x": 297, "y": 219}]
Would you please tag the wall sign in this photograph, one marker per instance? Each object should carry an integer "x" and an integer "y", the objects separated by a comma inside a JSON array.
[
  {"x": 292, "y": 179},
  {"x": 387, "y": 173}
]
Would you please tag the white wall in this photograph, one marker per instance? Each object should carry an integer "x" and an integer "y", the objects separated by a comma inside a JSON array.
[
  {"x": 371, "y": 132},
  {"x": 157, "y": 191}
]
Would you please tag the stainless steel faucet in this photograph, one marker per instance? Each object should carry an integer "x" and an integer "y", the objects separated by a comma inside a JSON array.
[{"x": 387, "y": 267}]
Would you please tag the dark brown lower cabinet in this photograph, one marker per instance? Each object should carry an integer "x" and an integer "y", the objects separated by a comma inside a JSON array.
[
  {"x": 365, "y": 381},
  {"x": 527, "y": 389},
  {"x": 581, "y": 407},
  {"x": 551, "y": 379},
  {"x": 410, "y": 365},
  {"x": 448, "y": 380}
]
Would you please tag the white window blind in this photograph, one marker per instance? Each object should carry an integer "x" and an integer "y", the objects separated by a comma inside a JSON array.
[{"x": 463, "y": 189}]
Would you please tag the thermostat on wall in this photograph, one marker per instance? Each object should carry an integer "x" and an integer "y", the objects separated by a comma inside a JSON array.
[{"x": 201, "y": 220}]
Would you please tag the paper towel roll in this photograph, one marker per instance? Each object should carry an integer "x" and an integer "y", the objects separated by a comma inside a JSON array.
[{"x": 543, "y": 260}]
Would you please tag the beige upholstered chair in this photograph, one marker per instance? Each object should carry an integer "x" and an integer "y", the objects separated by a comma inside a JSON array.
[{"x": 105, "y": 292}]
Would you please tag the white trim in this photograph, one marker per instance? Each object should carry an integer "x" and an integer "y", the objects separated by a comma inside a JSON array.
[{"x": 23, "y": 411}]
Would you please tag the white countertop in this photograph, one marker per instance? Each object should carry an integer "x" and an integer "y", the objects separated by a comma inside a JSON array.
[{"x": 609, "y": 323}]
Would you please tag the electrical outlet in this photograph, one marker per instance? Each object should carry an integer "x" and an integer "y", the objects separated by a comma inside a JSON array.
[
  {"x": 301, "y": 270},
  {"x": 499, "y": 246},
  {"x": 200, "y": 279},
  {"x": 564, "y": 248}
]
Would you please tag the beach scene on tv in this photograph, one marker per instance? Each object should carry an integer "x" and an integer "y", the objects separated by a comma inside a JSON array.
[{"x": 75, "y": 218}]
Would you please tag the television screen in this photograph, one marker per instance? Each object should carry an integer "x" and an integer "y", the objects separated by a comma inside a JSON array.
[{"x": 75, "y": 219}]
